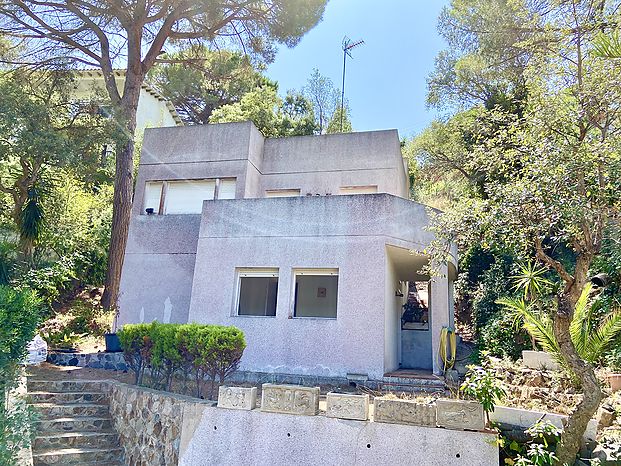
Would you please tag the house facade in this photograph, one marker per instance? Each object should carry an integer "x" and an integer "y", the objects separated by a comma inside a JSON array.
[
  {"x": 153, "y": 110},
  {"x": 307, "y": 244}
]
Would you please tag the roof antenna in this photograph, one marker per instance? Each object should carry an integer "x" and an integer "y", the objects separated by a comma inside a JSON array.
[{"x": 348, "y": 46}]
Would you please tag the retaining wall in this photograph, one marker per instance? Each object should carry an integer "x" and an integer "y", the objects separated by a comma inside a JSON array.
[{"x": 158, "y": 428}]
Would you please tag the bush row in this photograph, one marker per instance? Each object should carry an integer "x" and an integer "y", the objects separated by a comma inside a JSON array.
[{"x": 197, "y": 353}]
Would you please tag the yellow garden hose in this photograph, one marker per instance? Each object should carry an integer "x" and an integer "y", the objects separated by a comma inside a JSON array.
[{"x": 447, "y": 338}]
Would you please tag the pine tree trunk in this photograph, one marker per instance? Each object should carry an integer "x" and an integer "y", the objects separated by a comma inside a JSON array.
[
  {"x": 123, "y": 191},
  {"x": 576, "y": 425}
]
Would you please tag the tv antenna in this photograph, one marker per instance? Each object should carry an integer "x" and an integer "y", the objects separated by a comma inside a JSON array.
[{"x": 348, "y": 46}]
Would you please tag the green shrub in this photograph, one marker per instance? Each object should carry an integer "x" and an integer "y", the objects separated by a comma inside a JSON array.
[
  {"x": 199, "y": 353},
  {"x": 20, "y": 313},
  {"x": 482, "y": 385},
  {"x": 502, "y": 337},
  {"x": 136, "y": 345}
]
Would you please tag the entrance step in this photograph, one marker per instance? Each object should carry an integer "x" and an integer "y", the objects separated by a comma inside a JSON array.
[
  {"x": 98, "y": 439},
  {"x": 412, "y": 381},
  {"x": 68, "y": 397},
  {"x": 74, "y": 425},
  {"x": 76, "y": 456}
]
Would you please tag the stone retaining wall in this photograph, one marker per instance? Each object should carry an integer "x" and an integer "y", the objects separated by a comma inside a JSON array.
[
  {"x": 111, "y": 361},
  {"x": 149, "y": 423}
]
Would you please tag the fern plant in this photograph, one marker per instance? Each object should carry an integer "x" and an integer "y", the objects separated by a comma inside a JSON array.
[{"x": 592, "y": 337}]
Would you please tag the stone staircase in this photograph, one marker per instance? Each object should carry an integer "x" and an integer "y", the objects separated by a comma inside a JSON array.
[{"x": 74, "y": 427}]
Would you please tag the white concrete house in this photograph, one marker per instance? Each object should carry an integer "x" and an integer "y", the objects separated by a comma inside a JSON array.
[
  {"x": 308, "y": 244},
  {"x": 154, "y": 111}
]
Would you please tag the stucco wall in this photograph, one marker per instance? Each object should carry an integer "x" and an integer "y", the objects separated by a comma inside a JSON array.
[
  {"x": 156, "y": 282},
  {"x": 353, "y": 342},
  {"x": 231, "y": 437}
]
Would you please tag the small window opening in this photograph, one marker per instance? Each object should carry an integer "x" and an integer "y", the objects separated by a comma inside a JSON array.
[
  {"x": 316, "y": 293},
  {"x": 257, "y": 293}
]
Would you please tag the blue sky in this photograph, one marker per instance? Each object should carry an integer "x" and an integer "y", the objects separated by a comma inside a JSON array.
[{"x": 386, "y": 80}]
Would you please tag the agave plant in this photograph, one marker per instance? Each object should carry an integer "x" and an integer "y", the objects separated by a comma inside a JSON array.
[{"x": 591, "y": 336}]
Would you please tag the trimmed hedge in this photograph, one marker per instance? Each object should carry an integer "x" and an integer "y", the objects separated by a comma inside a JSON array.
[{"x": 198, "y": 353}]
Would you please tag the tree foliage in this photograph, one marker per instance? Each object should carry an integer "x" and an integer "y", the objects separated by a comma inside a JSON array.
[
  {"x": 542, "y": 148},
  {"x": 41, "y": 129},
  {"x": 198, "y": 80}
]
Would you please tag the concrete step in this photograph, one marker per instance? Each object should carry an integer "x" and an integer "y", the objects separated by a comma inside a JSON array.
[
  {"x": 412, "y": 384},
  {"x": 75, "y": 456},
  {"x": 54, "y": 440},
  {"x": 75, "y": 424},
  {"x": 68, "y": 397},
  {"x": 55, "y": 410},
  {"x": 63, "y": 386}
]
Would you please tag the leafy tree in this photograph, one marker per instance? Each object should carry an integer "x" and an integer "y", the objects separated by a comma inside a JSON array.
[
  {"x": 134, "y": 34},
  {"x": 198, "y": 80},
  {"x": 324, "y": 97},
  {"x": 40, "y": 129},
  {"x": 550, "y": 170},
  {"x": 340, "y": 122},
  {"x": 273, "y": 116}
]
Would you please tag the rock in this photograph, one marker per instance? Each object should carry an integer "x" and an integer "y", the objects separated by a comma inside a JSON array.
[
  {"x": 606, "y": 456},
  {"x": 605, "y": 417}
]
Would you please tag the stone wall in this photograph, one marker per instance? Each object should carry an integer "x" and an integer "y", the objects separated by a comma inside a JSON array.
[
  {"x": 110, "y": 361},
  {"x": 149, "y": 423}
]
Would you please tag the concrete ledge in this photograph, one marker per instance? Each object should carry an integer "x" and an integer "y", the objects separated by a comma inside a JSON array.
[
  {"x": 539, "y": 360},
  {"x": 524, "y": 418},
  {"x": 460, "y": 414}
]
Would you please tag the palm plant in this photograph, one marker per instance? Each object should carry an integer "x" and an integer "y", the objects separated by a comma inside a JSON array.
[
  {"x": 531, "y": 281},
  {"x": 591, "y": 336}
]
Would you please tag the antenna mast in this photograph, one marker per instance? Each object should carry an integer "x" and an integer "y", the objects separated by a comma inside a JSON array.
[{"x": 348, "y": 46}]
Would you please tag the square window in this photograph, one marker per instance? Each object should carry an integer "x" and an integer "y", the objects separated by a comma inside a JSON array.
[
  {"x": 316, "y": 293},
  {"x": 257, "y": 292}
]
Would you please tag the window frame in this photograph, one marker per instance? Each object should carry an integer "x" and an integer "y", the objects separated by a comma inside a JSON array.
[
  {"x": 348, "y": 190},
  {"x": 283, "y": 191},
  {"x": 241, "y": 272},
  {"x": 164, "y": 191},
  {"x": 309, "y": 271}
]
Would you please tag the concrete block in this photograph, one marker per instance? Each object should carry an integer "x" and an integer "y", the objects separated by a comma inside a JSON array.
[
  {"x": 539, "y": 360},
  {"x": 524, "y": 418},
  {"x": 396, "y": 411},
  {"x": 460, "y": 414},
  {"x": 237, "y": 397},
  {"x": 290, "y": 399},
  {"x": 347, "y": 406}
]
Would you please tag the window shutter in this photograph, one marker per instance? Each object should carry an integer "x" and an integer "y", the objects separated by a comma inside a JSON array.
[
  {"x": 186, "y": 197},
  {"x": 226, "y": 189},
  {"x": 152, "y": 196}
]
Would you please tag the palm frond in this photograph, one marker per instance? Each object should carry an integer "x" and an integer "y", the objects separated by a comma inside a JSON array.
[
  {"x": 538, "y": 325},
  {"x": 604, "y": 336},
  {"x": 608, "y": 45},
  {"x": 580, "y": 327}
]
